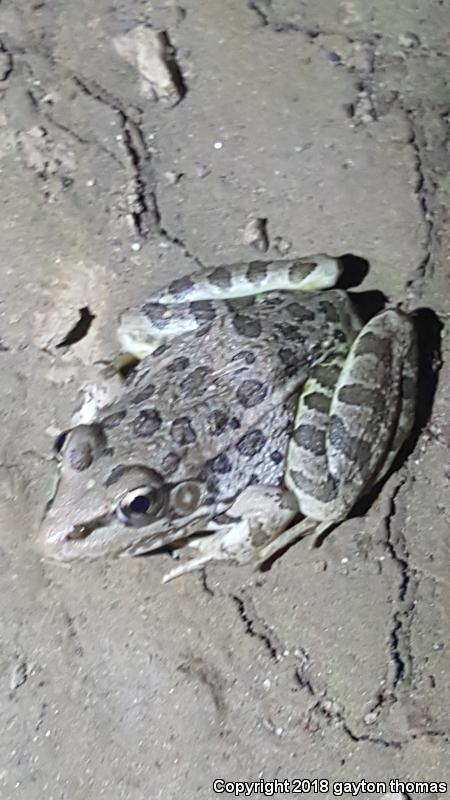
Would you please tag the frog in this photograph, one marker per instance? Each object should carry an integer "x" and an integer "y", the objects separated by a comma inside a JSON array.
[{"x": 261, "y": 408}]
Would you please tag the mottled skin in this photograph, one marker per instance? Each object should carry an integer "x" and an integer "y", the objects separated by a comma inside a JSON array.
[{"x": 244, "y": 411}]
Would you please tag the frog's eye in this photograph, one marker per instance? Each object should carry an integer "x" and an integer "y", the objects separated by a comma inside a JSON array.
[{"x": 140, "y": 506}]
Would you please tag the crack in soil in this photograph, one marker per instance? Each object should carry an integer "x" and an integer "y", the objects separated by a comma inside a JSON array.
[
  {"x": 252, "y": 625},
  {"x": 425, "y": 190},
  {"x": 328, "y": 709},
  {"x": 144, "y": 207},
  {"x": 402, "y": 619}
]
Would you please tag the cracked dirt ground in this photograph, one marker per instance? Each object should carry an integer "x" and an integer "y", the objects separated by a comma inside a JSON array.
[{"x": 331, "y": 121}]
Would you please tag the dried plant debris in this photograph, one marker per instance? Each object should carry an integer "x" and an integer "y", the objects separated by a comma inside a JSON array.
[
  {"x": 151, "y": 52},
  {"x": 255, "y": 234}
]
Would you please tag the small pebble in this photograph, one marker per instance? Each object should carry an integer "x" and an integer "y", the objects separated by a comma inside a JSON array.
[
  {"x": 371, "y": 717},
  {"x": 282, "y": 245},
  {"x": 19, "y": 675},
  {"x": 409, "y": 40},
  {"x": 173, "y": 177},
  {"x": 255, "y": 234},
  {"x": 202, "y": 171},
  {"x": 218, "y": 145},
  {"x": 267, "y": 684},
  {"x": 136, "y": 246}
]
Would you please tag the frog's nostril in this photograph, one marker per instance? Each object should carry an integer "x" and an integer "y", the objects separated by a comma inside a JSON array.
[{"x": 83, "y": 530}]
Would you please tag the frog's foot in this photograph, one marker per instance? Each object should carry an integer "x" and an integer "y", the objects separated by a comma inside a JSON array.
[
  {"x": 256, "y": 517},
  {"x": 307, "y": 527}
]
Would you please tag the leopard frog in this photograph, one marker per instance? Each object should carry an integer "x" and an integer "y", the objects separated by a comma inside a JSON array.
[{"x": 261, "y": 409}]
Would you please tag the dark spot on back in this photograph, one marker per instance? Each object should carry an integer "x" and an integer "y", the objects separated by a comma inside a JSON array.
[
  {"x": 251, "y": 443},
  {"x": 291, "y": 332},
  {"x": 147, "y": 422},
  {"x": 276, "y": 456},
  {"x": 247, "y": 326},
  {"x": 178, "y": 364},
  {"x": 251, "y": 393},
  {"x": 182, "y": 432},
  {"x": 299, "y": 312},
  {"x": 239, "y": 303},
  {"x": 217, "y": 422},
  {"x": 245, "y": 355},
  {"x": 195, "y": 380},
  {"x": 220, "y": 464},
  {"x": 288, "y": 356},
  {"x": 144, "y": 394}
]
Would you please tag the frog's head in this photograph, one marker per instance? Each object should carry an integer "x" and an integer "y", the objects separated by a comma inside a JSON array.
[{"x": 107, "y": 501}]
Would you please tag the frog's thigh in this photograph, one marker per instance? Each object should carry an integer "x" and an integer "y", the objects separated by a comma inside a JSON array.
[{"x": 346, "y": 438}]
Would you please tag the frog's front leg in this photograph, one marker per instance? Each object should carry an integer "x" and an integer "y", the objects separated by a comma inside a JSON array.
[
  {"x": 350, "y": 425},
  {"x": 254, "y": 520}
]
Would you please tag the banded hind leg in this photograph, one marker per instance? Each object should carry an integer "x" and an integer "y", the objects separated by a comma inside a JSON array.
[
  {"x": 189, "y": 303},
  {"x": 353, "y": 416}
]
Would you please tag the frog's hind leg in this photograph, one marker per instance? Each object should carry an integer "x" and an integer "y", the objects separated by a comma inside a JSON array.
[
  {"x": 189, "y": 303},
  {"x": 310, "y": 274},
  {"x": 351, "y": 422}
]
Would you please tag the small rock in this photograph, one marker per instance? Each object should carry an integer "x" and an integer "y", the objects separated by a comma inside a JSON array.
[
  {"x": 282, "y": 245},
  {"x": 371, "y": 717},
  {"x": 320, "y": 566},
  {"x": 255, "y": 234},
  {"x": 136, "y": 246},
  {"x": 409, "y": 40},
  {"x": 202, "y": 171},
  {"x": 19, "y": 675},
  {"x": 173, "y": 177},
  {"x": 218, "y": 145},
  {"x": 151, "y": 53}
]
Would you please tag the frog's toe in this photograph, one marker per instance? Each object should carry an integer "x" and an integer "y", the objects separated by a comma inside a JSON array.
[{"x": 306, "y": 527}]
